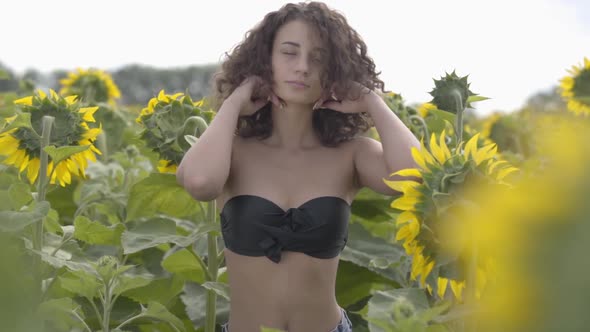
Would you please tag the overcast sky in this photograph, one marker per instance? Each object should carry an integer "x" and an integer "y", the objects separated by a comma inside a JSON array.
[{"x": 509, "y": 48}]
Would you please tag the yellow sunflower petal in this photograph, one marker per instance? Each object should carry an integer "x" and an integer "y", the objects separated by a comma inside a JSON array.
[
  {"x": 71, "y": 99},
  {"x": 8, "y": 144},
  {"x": 175, "y": 96},
  {"x": 503, "y": 173},
  {"x": 484, "y": 153},
  {"x": 471, "y": 146},
  {"x": 417, "y": 263},
  {"x": 427, "y": 268},
  {"x": 401, "y": 186},
  {"x": 408, "y": 200},
  {"x": 163, "y": 97},
  {"x": 24, "y": 101},
  {"x": 414, "y": 172},
  {"x": 495, "y": 164},
  {"x": 53, "y": 94},
  {"x": 419, "y": 158},
  {"x": 199, "y": 103},
  {"x": 437, "y": 152},
  {"x": 33, "y": 170},
  {"x": 24, "y": 164},
  {"x": 457, "y": 288},
  {"x": 442, "y": 287},
  {"x": 88, "y": 113}
]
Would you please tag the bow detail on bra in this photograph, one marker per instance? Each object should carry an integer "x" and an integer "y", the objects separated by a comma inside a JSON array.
[
  {"x": 256, "y": 226},
  {"x": 294, "y": 220}
]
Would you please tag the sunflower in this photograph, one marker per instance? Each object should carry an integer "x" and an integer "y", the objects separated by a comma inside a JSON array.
[
  {"x": 575, "y": 89},
  {"x": 21, "y": 144},
  {"x": 425, "y": 108},
  {"x": 443, "y": 172},
  {"x": 488, "y": 125},
  {"x": 167, "y": 120},
  {"x": 92, "y": 85}
]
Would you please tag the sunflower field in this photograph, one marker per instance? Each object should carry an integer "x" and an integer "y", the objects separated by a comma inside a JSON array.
[{"x": 96, "y": 234}]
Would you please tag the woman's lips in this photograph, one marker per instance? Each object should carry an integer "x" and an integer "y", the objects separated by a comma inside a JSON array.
[{"x": 299, "y": 85}]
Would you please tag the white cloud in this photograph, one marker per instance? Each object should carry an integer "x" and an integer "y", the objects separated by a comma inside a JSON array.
[{"x": 510, "y": 49}]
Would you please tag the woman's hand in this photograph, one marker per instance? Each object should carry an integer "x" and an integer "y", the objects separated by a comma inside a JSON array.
[
  {"x": 359, "y": 105},
  {"x": 252, "y": 94}
]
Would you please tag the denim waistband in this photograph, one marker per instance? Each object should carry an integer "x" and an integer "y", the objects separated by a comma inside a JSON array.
[{"x": 345, "y": 325}]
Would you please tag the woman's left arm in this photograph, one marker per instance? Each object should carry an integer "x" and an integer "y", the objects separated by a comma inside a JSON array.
[{"x": 374, "y": 160}]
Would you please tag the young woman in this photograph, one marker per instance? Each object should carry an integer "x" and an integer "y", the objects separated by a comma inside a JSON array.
[{"x": 284, "y": 158}]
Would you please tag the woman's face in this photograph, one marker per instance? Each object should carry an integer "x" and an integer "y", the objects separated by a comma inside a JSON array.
[{"x": 297, "y": 62}]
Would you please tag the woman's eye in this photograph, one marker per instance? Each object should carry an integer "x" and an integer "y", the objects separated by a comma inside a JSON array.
[{"x": 288, "y": 53}]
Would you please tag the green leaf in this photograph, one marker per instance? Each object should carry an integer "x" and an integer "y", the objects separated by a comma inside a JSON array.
[
  {"x": 13, "y": 221},
  {"x": 184, "y": 264},
  {"x": 222, "y": 289},
  {"x": 158, "y": 311},
  {"x": 22, "y": 120},
  {"x": 125, "y": 283},
  {"x": 63, "y": 152},
  {"x": 159, "y": 290},
  {"x": 156, "y": 231},
  {"x": 96, "y": 233},
  {"x": 20, "y": 195},
  {"x": 379, "y": 262},
  {"x": 194, "y": 298},
  {"x": 59, "y": 313},
  {"x": 355, "y": 283},
  {"x": 362, "y": 248},
  {"x": 382, "y": 308},
  {"x": 51, "y": 222},
  {"x": 458, "y": 311},
  {"x": 451, "y": 117},
  {"x": 81, "y": 283},
  {"x": 191, "y": 139},
  {"x": 472, "y": 99},
  {"x": 159, "y": 193}
]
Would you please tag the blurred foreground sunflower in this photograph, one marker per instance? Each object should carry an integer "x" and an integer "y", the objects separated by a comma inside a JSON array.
[
  {"x": 539, "y": 231},
  {"x": 91, "y": 85},
  {"x": 169, "y": 120},
  {"x": 21, "y": 143},
  {"x": 444, "y": 172},
  {"x": 575, "y": 89}
]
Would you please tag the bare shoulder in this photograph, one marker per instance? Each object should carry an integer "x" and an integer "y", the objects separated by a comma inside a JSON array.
[{"x": 364, "y": 143}]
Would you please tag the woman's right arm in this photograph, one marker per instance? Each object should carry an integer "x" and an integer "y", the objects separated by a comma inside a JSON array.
[{"x": 204, "y": 169}]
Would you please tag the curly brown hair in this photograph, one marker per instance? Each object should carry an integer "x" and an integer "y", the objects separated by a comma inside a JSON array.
[{"x": 347, "y": 62}]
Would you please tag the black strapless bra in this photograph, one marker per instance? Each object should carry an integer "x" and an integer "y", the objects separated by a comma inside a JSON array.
[{"x": 255, "y": 226}]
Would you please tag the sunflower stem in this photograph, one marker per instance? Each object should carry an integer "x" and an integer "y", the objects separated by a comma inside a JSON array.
[
  {"x": 101, "y": 141},
  {"x": 46, "y": 125},
  {"x": 472, "y": 282},
  {"x": 459, "y": 119},
  {"x": 420, "y": 120},
  {"x": 212, "y": 268}
]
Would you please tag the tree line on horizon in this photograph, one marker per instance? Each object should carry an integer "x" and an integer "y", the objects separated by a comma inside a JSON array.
[{"x": 139, "y": 83}]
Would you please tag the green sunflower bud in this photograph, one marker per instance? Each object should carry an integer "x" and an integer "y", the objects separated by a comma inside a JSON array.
[
  {"x": 106, "y": 267},
  {"x": 451, "y": 93},
  {"x": 93, "y": 86},
  {"x": 167, "y": 120},
  {"x": 575, "y": 89}
]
